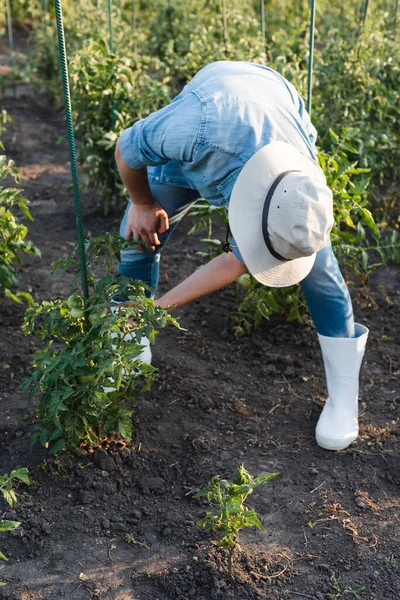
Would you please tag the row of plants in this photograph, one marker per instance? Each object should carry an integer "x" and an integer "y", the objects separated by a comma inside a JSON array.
[
  {"x": 82, "y": 352},
  {"x": 14, "y": 208},
  {"x": 157, "y": 50},
  {"x": 172, "y": 41},
  {"x": 356, "y": 66}
]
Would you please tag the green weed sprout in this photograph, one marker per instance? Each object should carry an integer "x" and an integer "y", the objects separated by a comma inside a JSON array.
[
  {"x": 6, "y": 483},
  {"x": 232, "y": 515}
]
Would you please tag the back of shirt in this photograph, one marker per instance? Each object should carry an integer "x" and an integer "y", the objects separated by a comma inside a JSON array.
[{"x": 227, "y": 112}]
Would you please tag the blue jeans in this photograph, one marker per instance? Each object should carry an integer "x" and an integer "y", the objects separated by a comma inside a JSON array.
[{"x": 324, "y": 288}]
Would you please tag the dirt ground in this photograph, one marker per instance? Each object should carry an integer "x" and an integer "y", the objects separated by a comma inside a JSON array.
[{"x": 330, "y": 518}]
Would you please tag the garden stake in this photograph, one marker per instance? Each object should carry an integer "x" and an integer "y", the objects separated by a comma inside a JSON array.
[
  {"x": 311, "y": 57},
  {"x": 362, "y": 24},
  {"x": 72, "y": 152},
  {"x": 11, "y": 42},
  {"x": 224, "y": 21},
  {"x": 10, "y": 33},
  {"x": 262, "y": 18},
  {"x": 134, "y": 15},
  {"x": 45, "y": 12},
  {"x": 110, "y": 27},
  {"x": 365, "y": 11}
]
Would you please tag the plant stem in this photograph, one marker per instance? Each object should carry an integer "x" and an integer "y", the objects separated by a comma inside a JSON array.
[{"x": 230, "y": 561}]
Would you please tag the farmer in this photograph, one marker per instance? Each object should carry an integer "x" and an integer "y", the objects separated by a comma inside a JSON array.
[{"x": 239, "y": 136}]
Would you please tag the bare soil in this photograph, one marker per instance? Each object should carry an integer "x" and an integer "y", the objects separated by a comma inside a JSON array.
[{"x": 330, "y": 518}]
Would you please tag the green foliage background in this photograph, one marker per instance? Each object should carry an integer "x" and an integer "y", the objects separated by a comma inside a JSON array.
[{"x": 159, "y": 46}]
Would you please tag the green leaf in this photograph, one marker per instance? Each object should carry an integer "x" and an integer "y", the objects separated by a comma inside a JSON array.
[
  {"x": 125, "y": 428},
  {"x": 9, "y": 525},
  {"x": 263, "y": 309},
  {"x": 369, "y": 220},
  {"x": 21, "y": 474},
  {"x": 252, "y": 519},
  {"x": 9, "y": 497},
  {"x": 57, "y": 446}
]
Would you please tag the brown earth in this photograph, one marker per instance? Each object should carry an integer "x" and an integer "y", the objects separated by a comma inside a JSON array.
[{"x": 330, "y": 519}]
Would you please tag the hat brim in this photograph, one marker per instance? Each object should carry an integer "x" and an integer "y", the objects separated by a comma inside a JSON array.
[{"x": 246, "y": 207}]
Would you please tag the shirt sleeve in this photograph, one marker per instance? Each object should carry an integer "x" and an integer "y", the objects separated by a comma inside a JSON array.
[
  {"x": 167, "y": 134},
  {"x": 308, "y": 126}
]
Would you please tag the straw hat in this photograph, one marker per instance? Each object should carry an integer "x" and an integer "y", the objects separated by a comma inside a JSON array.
[{"x": 280, "y": 214}]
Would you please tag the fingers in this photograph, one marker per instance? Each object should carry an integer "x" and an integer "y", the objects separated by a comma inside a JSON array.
[
  {"x": 128, "y": 232},
  {"x": 141, "y": 248},
  {"x": 154, "y": 241},
  {"x": 150, "y": 239},
  {"x": 144, "y": 225},
  {"x": 164, "y": 223},
  {"x": 131, "y": 233}
]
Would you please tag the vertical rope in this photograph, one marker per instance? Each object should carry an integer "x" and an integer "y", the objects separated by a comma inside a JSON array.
[
  {"x": 262, "y": 21},
  {"x": 10, "y": 33},
  {"x": 71, "y": 144},
  {"x": 311, "y": 57}
]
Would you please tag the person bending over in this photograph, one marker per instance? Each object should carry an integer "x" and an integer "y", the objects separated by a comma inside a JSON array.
[{"x": 238, "y": 135}]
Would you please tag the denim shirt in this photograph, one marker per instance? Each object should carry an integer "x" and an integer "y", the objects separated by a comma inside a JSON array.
[{"x": 227, "y": 112}]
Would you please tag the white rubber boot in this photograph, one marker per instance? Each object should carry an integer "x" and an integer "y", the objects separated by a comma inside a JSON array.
[
  {"x": 145, "y": 356},
  {"x": 337, "y": 426}
]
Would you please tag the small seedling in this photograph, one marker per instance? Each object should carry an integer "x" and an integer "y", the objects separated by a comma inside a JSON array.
[
  {"x": 232, "y": 515},
  {"x": 6, "y": 483},
  {"x": 130, "y": 539},
  {"x": 339, "y": 593}
]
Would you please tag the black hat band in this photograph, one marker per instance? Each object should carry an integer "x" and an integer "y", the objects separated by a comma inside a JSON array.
[{"x": 267, "y": 203}]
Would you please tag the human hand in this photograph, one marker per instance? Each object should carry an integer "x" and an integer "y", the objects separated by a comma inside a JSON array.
[
  {"x": 145, "y": 222},
  {"x": 120, "y": 310}
]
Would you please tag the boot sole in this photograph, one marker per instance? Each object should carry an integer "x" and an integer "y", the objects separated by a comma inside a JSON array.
[{"x": 334, "y": 444}]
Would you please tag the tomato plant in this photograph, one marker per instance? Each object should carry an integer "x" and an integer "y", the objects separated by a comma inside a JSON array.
[
  {"x": 110, "y": 93},
  {"x": 232, "y": 515},
  {"x": 13, "y": 232},
  {"x": 79, "y": 358}
]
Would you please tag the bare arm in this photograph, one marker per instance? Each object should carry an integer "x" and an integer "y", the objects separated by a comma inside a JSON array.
[
  {"x": 146, "y": 218},
  {"x": 220, "y": 271},
  {"x": 135, "y": 181}
]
